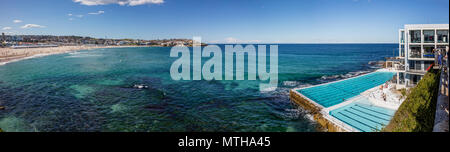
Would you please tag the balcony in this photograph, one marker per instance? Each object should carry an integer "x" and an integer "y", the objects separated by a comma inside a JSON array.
[
  {"x": 428, "y": 55},
  {"x": 399, "y": 67},
  {"x": 415, "y": 67},
  {"x": 416, "y": 71},
  {"x": 428, "y": 52},
  {"x": 415, "y": 52}
]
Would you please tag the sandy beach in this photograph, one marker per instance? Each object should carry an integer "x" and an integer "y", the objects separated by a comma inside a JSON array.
[{"x": 8, "y": 55}]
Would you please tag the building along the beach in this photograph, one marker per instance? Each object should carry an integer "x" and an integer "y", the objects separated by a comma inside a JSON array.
[
  {"x": 416, "y": 45},
  {"x": 368, "y": 102}
]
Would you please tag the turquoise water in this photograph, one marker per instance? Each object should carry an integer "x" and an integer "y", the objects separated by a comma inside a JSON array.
[
  {"x": 93, "y": 91},
  {"x": 334, "y": 93},
  {"x": 363, "y": 116}
]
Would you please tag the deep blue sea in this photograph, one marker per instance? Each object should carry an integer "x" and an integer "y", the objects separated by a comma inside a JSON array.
[{"x": 93, "y": 91}]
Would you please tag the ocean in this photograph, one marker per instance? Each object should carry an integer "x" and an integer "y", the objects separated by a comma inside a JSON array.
[{"x": 94, "y": 91}]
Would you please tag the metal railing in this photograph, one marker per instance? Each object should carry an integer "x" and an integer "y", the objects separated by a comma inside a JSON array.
[{"x": 441, "y": 60}]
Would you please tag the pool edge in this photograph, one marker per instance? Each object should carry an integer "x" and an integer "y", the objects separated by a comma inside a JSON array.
[
  {"x": 320, "y": 113},
  {"x": 316, "y": 111}
]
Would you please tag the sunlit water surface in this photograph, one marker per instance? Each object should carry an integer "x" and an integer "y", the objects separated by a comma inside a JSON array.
[{"x": 93, "y": 91}]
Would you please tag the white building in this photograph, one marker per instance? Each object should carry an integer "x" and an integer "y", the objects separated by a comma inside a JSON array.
[{"x": 416, "y": 44}]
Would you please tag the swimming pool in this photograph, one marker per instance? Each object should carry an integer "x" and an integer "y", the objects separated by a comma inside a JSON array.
[
  {"x": 334, "y": 93},
  {"x": 363, "y": 116}
]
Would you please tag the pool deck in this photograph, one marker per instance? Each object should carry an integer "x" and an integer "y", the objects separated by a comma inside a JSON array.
[{"x": 321, "y": 114}]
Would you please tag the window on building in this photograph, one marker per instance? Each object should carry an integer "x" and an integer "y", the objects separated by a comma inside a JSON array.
[
  {"x": 415, "y": 52},
  {"x": 414, "y": 79},
  {"x": 415, "y": 65},
  {"x": 428, "y": 36},
  {"x": 428, "y": 52},
  {"x": 418, "y": 65},
  {"x": 442, "y": 36},
  {"x": 402, "y": 50},
  {"x": 401, "y": 78},
  {"x": 402, "y": 37},
  {"x": 412, "y": 65},
  {"x": 415, "y": 36}
]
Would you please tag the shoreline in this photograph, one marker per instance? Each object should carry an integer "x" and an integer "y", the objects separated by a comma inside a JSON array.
[{"x": 9, "y": 55}]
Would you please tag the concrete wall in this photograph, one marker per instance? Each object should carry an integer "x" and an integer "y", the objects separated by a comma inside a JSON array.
[{"x": 315, "y": 111}]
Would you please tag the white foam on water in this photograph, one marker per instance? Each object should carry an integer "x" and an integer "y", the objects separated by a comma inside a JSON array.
[
  {"x": 82, "y": 55},
  {"x": 290, "y": 83}
]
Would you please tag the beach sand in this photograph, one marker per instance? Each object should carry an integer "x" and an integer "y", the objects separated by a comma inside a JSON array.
[{"x": 8, "y": 55}]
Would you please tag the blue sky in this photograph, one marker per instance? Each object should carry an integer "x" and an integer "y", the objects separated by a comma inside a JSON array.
[{"x": 217, "y": 21}]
